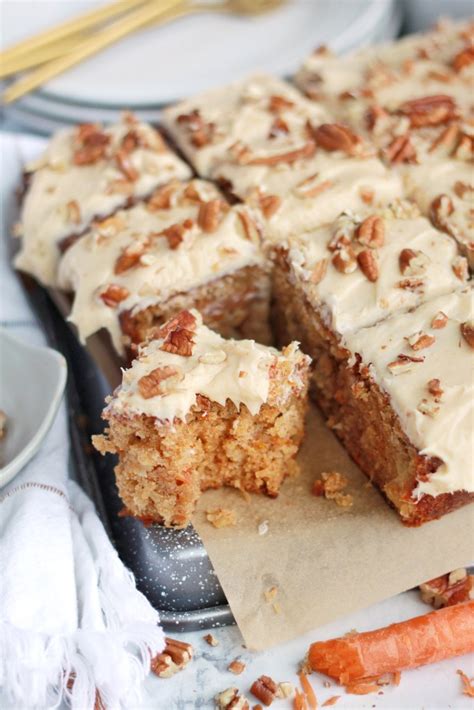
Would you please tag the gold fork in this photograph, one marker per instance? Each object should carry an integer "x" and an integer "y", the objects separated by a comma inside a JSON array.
[{"x": 148, "y": 13}]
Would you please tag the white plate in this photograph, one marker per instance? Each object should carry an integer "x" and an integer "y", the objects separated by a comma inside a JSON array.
[
  {"x": 32, "y": 381},
  {"x": 162, "y": 64}
]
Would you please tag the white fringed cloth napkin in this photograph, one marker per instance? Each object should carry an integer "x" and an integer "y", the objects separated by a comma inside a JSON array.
[{"x": 73, "y": 626}]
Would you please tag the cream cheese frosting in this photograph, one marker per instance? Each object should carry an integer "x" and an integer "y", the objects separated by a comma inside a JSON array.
[
  {"x": 86, "y": 174},
  {"x": 219, "y": 369},
  {"x": 205, "y": 127},
  {"x": 426, "y": 64},
  {"x": 438, "y": 419},
  {"x": 413, "y": 263},
  {"x": 133, "y": 251}
]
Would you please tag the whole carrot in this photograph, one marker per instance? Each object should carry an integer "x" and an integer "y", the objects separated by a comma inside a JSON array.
[{"x": 425, "y": 639}]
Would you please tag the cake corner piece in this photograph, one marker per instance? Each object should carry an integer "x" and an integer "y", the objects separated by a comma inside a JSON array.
[{"x": 196, "y": 411}]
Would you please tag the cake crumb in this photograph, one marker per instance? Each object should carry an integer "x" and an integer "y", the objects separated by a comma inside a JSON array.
[
  {"x": 263, "y": 527},
  {"x": 230, "y": 698},
  {"x": 468, "y": 686},
  {"x": 221, "y": 517},
  {"x": 236, "y": 667},
  {"x": 330, "y": 485},
  {"x": 211, "y": 640}
]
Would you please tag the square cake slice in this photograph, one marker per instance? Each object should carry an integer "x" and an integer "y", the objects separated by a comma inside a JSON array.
[
  {"x": 353, "y": 273},
  {"x": 405, "y": 406},
  {"x": 260, "y": 107},
  {"x": 186, "y": 247},
  {"x": 87, "y": 172},
  {"x": 196, "y": 411}
]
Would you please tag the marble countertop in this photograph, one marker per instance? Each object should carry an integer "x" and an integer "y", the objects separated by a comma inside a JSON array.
[{"x": 435, "y": 687}]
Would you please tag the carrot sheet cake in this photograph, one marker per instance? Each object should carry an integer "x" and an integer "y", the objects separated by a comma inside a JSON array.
[
  {"x": 88, "y": 172},
  {"x": 270, "y": 147},
  {"x": 185, "y": 247},
  {"x": 405, "y": 409},
  {"x": 196, "y": 411}
]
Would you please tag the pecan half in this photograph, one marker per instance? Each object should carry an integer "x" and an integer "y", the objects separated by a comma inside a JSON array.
[
  {"x": 179, "y": 342},
  {"x": 439, "y": 321},
  {"x": 149, "y": 385},
  {"x": 174, "y": 658},
  {"x": 368, "y": 264},
  {"x": 401, "y": 150},
  {"x": 184, "y": 319},
  {"x": 264, "y": 689},
  {"x": 371, "y": 232},
  {"x": 467, "y": 331},
  {"x": 463, "y": 59},
  {"x": 429, "y": 110},
  {"x": 210, "y": 214},
  {"x": 334, "y": 136},
  {"x": 92, "y": 146},
  {"x": 236, "y": 667},
  {"x": 113, "y": 295}
]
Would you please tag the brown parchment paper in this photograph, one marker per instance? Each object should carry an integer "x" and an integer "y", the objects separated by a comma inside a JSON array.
[{"x": 325, "y": 561}]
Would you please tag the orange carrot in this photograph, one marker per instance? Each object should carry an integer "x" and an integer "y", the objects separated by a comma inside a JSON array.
[
  {"x": 425, "y": 639},
  {"x": 308, "y": 691},
  {"x": 299, "y": 701},
  {"x": 468, "y": 687},
  {"x": 331, "y": 701}
]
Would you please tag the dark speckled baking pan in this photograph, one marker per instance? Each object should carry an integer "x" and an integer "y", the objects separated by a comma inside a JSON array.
[{"x": 171, "y": 567}]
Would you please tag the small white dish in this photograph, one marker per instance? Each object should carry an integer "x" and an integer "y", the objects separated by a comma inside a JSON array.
[{"x": 32, "y": 381}]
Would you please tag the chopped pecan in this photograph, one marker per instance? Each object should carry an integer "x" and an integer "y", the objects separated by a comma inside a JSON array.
[
  {"x": 403, "y": 363},
  {"x": 279, "y": 103},
  {"x": 374, "y": 115},
  {"x": 429, "y": 408},
  {"x": 307, "y": 190},
  {"x": 411, "y": 284},
  {"x": 463, "y": 59},
  {"x": 129, "y": 258},
  {"x": 439, "y": 321},
  {"x": 231, "y": 700},
  {"x": 420, "y": 341},
  {"x": 73, "y": 212},
  {"x": 125, "y": 165},
  {"x": 249, "y": 226},
  {"x": 447, "y": 138},
  {"x": 211, "y": 640},
  {"x": 435, "y": 389},
  {"x": 174, "y": 658},
  {"x": 429, "y": 110},
  {"x": 290, "y": 156},
  {"x": 440, "y": 209},
  {"x": 344, "y": 260},
  {"x": 319, "y": 271},
  {"x": 264, "y": 689},
  {"x": 334, "y": 136},
  {"x": 462, "y": 189},
  {"x": 113, "y": 295},
  {"x": 367, "y": 195},
  {"x": 150, "y": 385},
  {"x": 179, "y": 342},
  {"x": 161, "y": 198},
  {"x": 201, "y": 133},
  {"x": 269, "y": 204},
  {"x": 467, "y": 331},
  {"x": 412, "y": 262},
  {"x": 371, "y": 232},
  {"x": 401, "y": 150},
  {"x": 368, "y": 264},
  {"x": 279, "y": 127},
  {"x": 236, "y": 667},
  {"x": 184, "y": 322},
  {"x": 131, "y": 141},
  {"x": 93, "y": 144},
  {"x": 174, "y": 234},
  {"x": 210, "y": 214},
  {"x": 460, "y": 268},
  {"x": 449, "y": 589}
]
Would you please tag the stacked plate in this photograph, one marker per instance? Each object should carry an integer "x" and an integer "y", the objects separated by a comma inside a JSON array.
[{"x": 164, "y": 63}]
